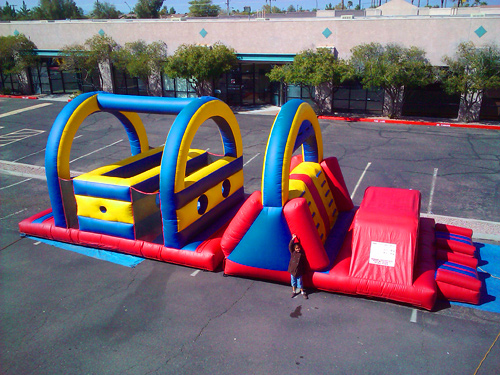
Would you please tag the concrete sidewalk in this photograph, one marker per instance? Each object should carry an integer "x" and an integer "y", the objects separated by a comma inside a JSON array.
[{"x": 272, "y": 110}]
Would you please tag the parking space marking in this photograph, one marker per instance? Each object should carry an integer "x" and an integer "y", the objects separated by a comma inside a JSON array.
[
  {"x": 26, "y": 156},
  {"x": 15, "y": 213},
  {"x": 24, "y": 109},
  {"x": 99, "y": 149},
  {"x": 17, "y": 183},
  {"x": 431, "y": 195},
  {"x": 195, "y": 273},
  {"x": 252, "y": 159},
  {"x": 414, "y": 315},
  {"x": 359, "y": 181},
  {"x": 18, "y": 135},
  {"x": 37, "y": 152}
]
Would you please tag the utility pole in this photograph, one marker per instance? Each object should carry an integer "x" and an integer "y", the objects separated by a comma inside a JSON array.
[{"x": 227, "y": 5}]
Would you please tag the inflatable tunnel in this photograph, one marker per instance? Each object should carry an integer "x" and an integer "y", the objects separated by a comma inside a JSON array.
[{"x": 168, "y": 203}]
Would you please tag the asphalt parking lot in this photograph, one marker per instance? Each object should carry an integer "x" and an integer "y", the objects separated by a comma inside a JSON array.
[{"x": 64, "y": 312}]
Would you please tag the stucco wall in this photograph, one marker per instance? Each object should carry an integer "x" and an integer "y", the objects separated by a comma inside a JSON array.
[{"x": 438, "y": 36}]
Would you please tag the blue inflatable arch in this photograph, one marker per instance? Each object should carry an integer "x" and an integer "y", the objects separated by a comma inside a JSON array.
[
  {"x": 296, "y": 125},
  {"x": 124, "y": 108}
]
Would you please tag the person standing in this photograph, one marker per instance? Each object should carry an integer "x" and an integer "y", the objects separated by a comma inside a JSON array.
[{"x": 297, "y": 265}]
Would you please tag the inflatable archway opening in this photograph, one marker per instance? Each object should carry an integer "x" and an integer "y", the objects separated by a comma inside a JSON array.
[
  {"x": 59, "y": 147},
  {"x": 194, "y": 197},
  {"x": 296, "y": 125}
]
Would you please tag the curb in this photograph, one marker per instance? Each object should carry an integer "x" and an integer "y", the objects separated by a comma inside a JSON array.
[
  {"x": 18, "y": 97},
  {"x": 410, "y": 122}
]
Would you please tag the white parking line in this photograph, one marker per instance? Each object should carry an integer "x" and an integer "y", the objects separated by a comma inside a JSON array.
[
  {"x": 359, "y": 181},
  {"x": 26, "y": 156},
  {"x": 99, "y": 149},
  {"x": 431, "y": 195},
  {"x": 17, "y": 183},
  {"x": 195, "y": 273},
  {"x": 18, "y": 135},
  {"x": 24, "y": 109},
  {"x": 15, "y": 213},
  {"x": 414, "y": 315},
  {"x": 252, "y": 159},
  {"x": 37, "y": 152}
]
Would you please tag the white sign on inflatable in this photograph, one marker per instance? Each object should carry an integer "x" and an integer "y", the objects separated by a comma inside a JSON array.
[{"x": 383, "y": 254}]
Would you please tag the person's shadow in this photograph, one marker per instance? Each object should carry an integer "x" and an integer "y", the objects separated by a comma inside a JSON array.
[{"x": 297, "y": 312}]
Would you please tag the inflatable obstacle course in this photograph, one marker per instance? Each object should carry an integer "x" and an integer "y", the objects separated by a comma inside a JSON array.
[{"x": 186, "y": 206}]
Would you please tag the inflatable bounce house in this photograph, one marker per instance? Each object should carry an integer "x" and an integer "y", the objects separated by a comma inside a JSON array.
[{"x": 187, "y": 206}]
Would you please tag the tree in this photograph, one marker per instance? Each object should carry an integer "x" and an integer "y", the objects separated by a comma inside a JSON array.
[
  {"x": 291, "y": 9},
  {"x": 57, "y": 10},
  {"x": 392, "y": 68},
  {"x": 329, "y": 6},
  {"x": 24, "y": 13},
  {"x": 201, "y": 65},
  {"x": 143, "y": 61},
  {"x": 88, "y": 59},
  {"x": 17, "y": 54},
  {"x": 340, "y": 6},
  {"x": 148, "y": 8},
  {"x": 203, "y": 8},
  {"x": 319, "y": 71},
  {"x": 349, "y": 4},
  {"x": 470, "y": 72},
  {"x": 104, "y": 10},
  {"x": 7, "y": 12}
]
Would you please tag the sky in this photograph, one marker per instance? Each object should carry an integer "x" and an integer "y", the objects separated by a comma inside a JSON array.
[{"x": 182, "y": 6}]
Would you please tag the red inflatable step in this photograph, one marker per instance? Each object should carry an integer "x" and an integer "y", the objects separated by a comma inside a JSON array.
[
  {"x": 450, "y": 256},
  {"x": 457, "y": 282},
  {"x": 455, "y": 239},
  {"x": 454, "y": 229}
]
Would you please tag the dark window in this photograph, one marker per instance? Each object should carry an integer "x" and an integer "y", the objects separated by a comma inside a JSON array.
[
  {"x": 490, "y": 106},
  {"x": 430, "y": 101}
]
